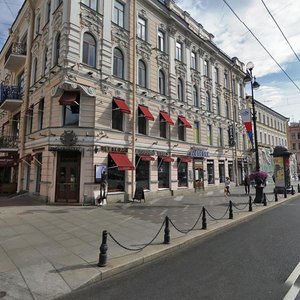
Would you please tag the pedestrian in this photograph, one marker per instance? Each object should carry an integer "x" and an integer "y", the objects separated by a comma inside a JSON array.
[
  {"x": 103, "y": 189},
  {"x": 247, "y": 184},
  {"x": 227, "y": 186}
]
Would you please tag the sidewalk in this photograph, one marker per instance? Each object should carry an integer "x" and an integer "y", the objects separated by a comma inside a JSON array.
[{"x": 47, "y": 251}]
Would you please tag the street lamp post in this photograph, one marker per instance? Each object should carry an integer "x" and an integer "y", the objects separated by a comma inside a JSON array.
[{"x": 254, "y": 85}]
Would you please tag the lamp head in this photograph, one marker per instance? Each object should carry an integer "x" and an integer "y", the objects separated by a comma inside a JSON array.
[
  {"x": 250, "y": 66},
  {"x": 255, "y": 84},
  {"x": 247, "y": 78}
]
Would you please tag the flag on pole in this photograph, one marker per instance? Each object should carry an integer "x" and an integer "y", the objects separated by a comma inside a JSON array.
[{"x": 246, "y": 119}]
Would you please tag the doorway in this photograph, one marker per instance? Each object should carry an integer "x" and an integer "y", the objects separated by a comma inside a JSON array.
[{"x": 68, "y": 177}]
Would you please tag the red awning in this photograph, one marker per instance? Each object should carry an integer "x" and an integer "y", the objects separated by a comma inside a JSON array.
[
  {"x": 147, "y": 157},
  {"x": 166, "y": 118},
  {"x": 146, "y": 112},
  {"x": 68, "y": 98},
  {"x": 167, "y": 158},
  {"x": 185, "y": 159},
  {"x": 185, "y": 122},
  {"x": 122, "y": 105},
  {"x": 122, "y": 161}
]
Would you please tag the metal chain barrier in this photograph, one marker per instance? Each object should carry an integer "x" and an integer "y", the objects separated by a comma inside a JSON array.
[
  {"x": 188, "y": 230},
  {"x": 216, "y": 219},
  {"x": 236, "y": 206},
  {"x": 141, "y": 248}
]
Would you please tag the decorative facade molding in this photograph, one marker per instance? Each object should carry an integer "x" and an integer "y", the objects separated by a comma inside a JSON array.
[{"x": 143, "y": 49}]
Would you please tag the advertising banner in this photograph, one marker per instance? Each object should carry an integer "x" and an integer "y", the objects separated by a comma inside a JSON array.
[
  {"x": 279, "y": 171},
  {"x": 246, "y": 119}
]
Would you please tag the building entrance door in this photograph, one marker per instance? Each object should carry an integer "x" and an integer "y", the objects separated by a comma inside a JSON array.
[{"x": 68, "y": 177}]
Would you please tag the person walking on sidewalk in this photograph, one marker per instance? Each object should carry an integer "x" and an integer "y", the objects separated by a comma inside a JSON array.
[
  {"x": 247, "y": 184},
  {"x": 227, "y": 186}
]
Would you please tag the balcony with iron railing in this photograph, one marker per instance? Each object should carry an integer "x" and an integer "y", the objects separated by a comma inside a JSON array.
[
  {"x": 10, "y": 97},
  {"x": 8, "y": 143},
  {"x": 15, "y": 57}
]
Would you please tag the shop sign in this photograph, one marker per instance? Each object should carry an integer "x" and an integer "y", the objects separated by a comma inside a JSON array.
[
  {"x": 231, "y": 135},
  {"x": 145, "y": 152},
  {"x": 161, "y": 153},
  {"x": 113, "y": 149},
  {"x": 6, "y": 162},
  {"x": 66, "y": 148},
  {"x": 198, "y": 153}
]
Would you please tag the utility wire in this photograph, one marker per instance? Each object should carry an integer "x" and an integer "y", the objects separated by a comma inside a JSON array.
[
  {"x": 9, "y": 9},
  {"x": 288, "y": 76},
  {"x": 280, "y": 29}
]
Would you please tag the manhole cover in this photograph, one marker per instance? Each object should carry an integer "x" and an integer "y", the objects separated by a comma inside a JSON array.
[{"x": 2, "y": 294}]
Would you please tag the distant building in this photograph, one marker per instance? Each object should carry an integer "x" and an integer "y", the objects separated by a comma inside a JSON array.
[{"x": 294, "y": 141}]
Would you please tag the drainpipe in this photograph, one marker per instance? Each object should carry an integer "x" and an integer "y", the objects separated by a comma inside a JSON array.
[
  {"x": 133, "y": 183},
  {"x": 26, "y": 93}
]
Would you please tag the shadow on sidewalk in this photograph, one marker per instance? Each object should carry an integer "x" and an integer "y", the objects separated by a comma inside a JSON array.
[{"x": 21, "y": 200}]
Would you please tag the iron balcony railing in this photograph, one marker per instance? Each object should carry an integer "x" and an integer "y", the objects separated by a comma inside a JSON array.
[
  {"x": 10, "y": 92},
  {"x": 8, "y": 142},
  {"x": 17, "y": 49}
]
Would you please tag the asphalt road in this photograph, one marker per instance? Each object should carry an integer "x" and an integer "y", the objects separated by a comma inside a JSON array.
[{"x": 249, "y": 261}]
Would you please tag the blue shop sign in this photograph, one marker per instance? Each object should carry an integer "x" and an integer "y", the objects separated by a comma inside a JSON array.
[{"x": 199, "y": 153}]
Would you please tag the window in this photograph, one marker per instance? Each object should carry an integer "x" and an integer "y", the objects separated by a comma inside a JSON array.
[
  {"x": 221, "y": 171},
  {"x": 117, "y": 117},
  {"x": 264, "y": 119},
  {"x": 141, "y": 28},
  {"x": 90, "y": 3},
  {"x": 56, "y": 49},
  {"x": 161, "y": 82},
  {"x": 38, "y": 24},
  {"x": 234, "y": 86},
  {"x": 29, "y": 116},
  {"x": 71, "y": 113},
  {"x": 293, "y": 136},
  {"x": 218, "y": 106},
  {"x": 294, "y": 146},
  {"x": 195, "y": 96},
  {"x": 119, "y": 13},
  {"x": 142, "y": 74},
  {"x": 21, "y": 82},
  {"x": 41, "y": 114},
  {"x": 178, "y": 54},
  {"x": 48, "y": 11},
  {"x": 216, "y": 75},
  {"x": 234, "y": 113},
  {"x": 220, "y": 137},
  {"x": 115, "y": 177},
  {"x": 38, "y": 171},
  {"x": 180, "y": 90},
  {"x": 226, "y": 80},
  {"x": 34, "y": 71},
  {"x": 163, "y": 173},
  {"x": 142, "y": 173},
  {"x": 241, "y": 90},
  {"x": 210, "y": 172},
  {"x": 161, "y": 41},
  {"x": 181, "y": 130},
  {"x": 196, "y": 132},
  {"x": 208, "y": 103},
  {"x": 89, "y": 50},
  {"x": 162, "y": 127},
  {"x": 205, "y": 68},
  {"x": 209, "y": 134},
  {"x": 193, "y": 60},
  {"x": 142, "y": 122},
  {"x": 45, "y": 60},
  {"x": 268, "y": 121},
  {"x": 260, "y": 137},
  {"x": 15, "y": 125},
  {"x": 182, "y": 173},
  {"x": 118, "y": 67},
  {"x": 227, "y": 109}
]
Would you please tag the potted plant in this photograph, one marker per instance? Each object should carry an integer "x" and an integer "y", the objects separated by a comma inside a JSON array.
[{"x": 260, "y": 180}]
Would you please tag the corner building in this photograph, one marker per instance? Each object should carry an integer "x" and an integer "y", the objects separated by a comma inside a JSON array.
[{"x": 134, "y": 87}]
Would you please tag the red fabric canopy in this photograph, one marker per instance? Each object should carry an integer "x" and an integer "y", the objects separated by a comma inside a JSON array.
[
  {"x": 167, "y": 158},
  {"x": 68, "y": 98},
  {"x": 146, "y": 112},
  {"x": 147, "y": 157},
  {"x": 122, "y": 161},
  {"x": 122, "y": 105},
  {"x": 167, "y": 118},
  {"x": 185, "y": 122}
]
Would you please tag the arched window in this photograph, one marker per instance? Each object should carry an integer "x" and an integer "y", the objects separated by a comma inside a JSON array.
[
  {"x": 142, "y": 74},
  {"x": 118, "y": 68},
  {"x": 34, "y": 71},
  {"x": 56, "y": 49},
  {"x": 208, "y": 104},
  {"x": 45, "y": 59},
  {"x": 162, "y": 82},
  {"x": 227, "y": 109},
  {"x": 218, "y": 106},
  {"x": 180, "y": 89},
  {"x": 89, "y": 50},
  {"x": 195, "y": 96}
]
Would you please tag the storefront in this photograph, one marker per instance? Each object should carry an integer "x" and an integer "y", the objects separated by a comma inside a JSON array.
[{"x": 221, "y": 171}]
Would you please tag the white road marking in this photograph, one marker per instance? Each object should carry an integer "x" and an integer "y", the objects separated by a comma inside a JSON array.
[
  {"x": 295, "y": 288},
  {"x": 186, "y": 207},
  {"x": 154, "y": 201},
  {"x": 163, "y": 212}
]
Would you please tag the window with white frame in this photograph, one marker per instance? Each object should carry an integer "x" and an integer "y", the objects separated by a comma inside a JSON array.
[
  {"x": 178, "y": 54},
  {"x": 45, "y": 61},
  {"x": 180, "y": 89},
  {"x": 216, "y": 75},
  {"x": 119, "y": 13},
  {"x": 56, "y": 50},
  {"x": 34, "y": 71},
  {"x": 227, "y": 109},
  {"x": 206, "y": 67},
  {"x": 161, "y": 40},
  {"x": 162, "y": 83},
  {"x": 193, "y": 60},
  {"x": 209, "y": 134},
  {"x": 118, "y": 64},
  {"x": 142, "y": 74},
  {"x": 195, "y": 96},
  {"x": 220, "y": 137},
  {"x": 90, "y": 3},
  {"x": 141, "y": 28},
  {"x": 89, "y": 50},
  {"x": 181, "y": 130},
  {"x": 226, "y": 80},
  {"x": 197, "y": 132},
  {"x": 208, "y": 102},
  {"x": 218, "y": 106}
]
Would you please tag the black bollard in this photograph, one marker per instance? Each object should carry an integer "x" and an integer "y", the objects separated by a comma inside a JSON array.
[
  {"x": 293, "y": 191},
  {"x": 250, "y": 203},
  {"x": 204, "y": 224},
  {"x": 276, "y": 197},
  {"x": 167, "y": 231},
  {"x": 298, "y": 188},
  {"x": 230, "y": 210},
  {"x": 103, "y": 250},
  {"x": 265, "y": 200},
  {"x": 285, "y": 195}
]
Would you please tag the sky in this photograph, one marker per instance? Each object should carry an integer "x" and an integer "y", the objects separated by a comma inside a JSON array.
[{"x": 276, "y": 90}]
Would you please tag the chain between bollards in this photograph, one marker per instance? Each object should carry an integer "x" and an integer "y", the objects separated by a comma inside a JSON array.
[
  {"x": 230, "y": 210},
  {"x": 250, "y": 203},
  {"x": 103, "y": 250},
  {"x": 265, "y": 199},
  {"x": 167, "y": 231},
  {"x": 204, "y": 224}
]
